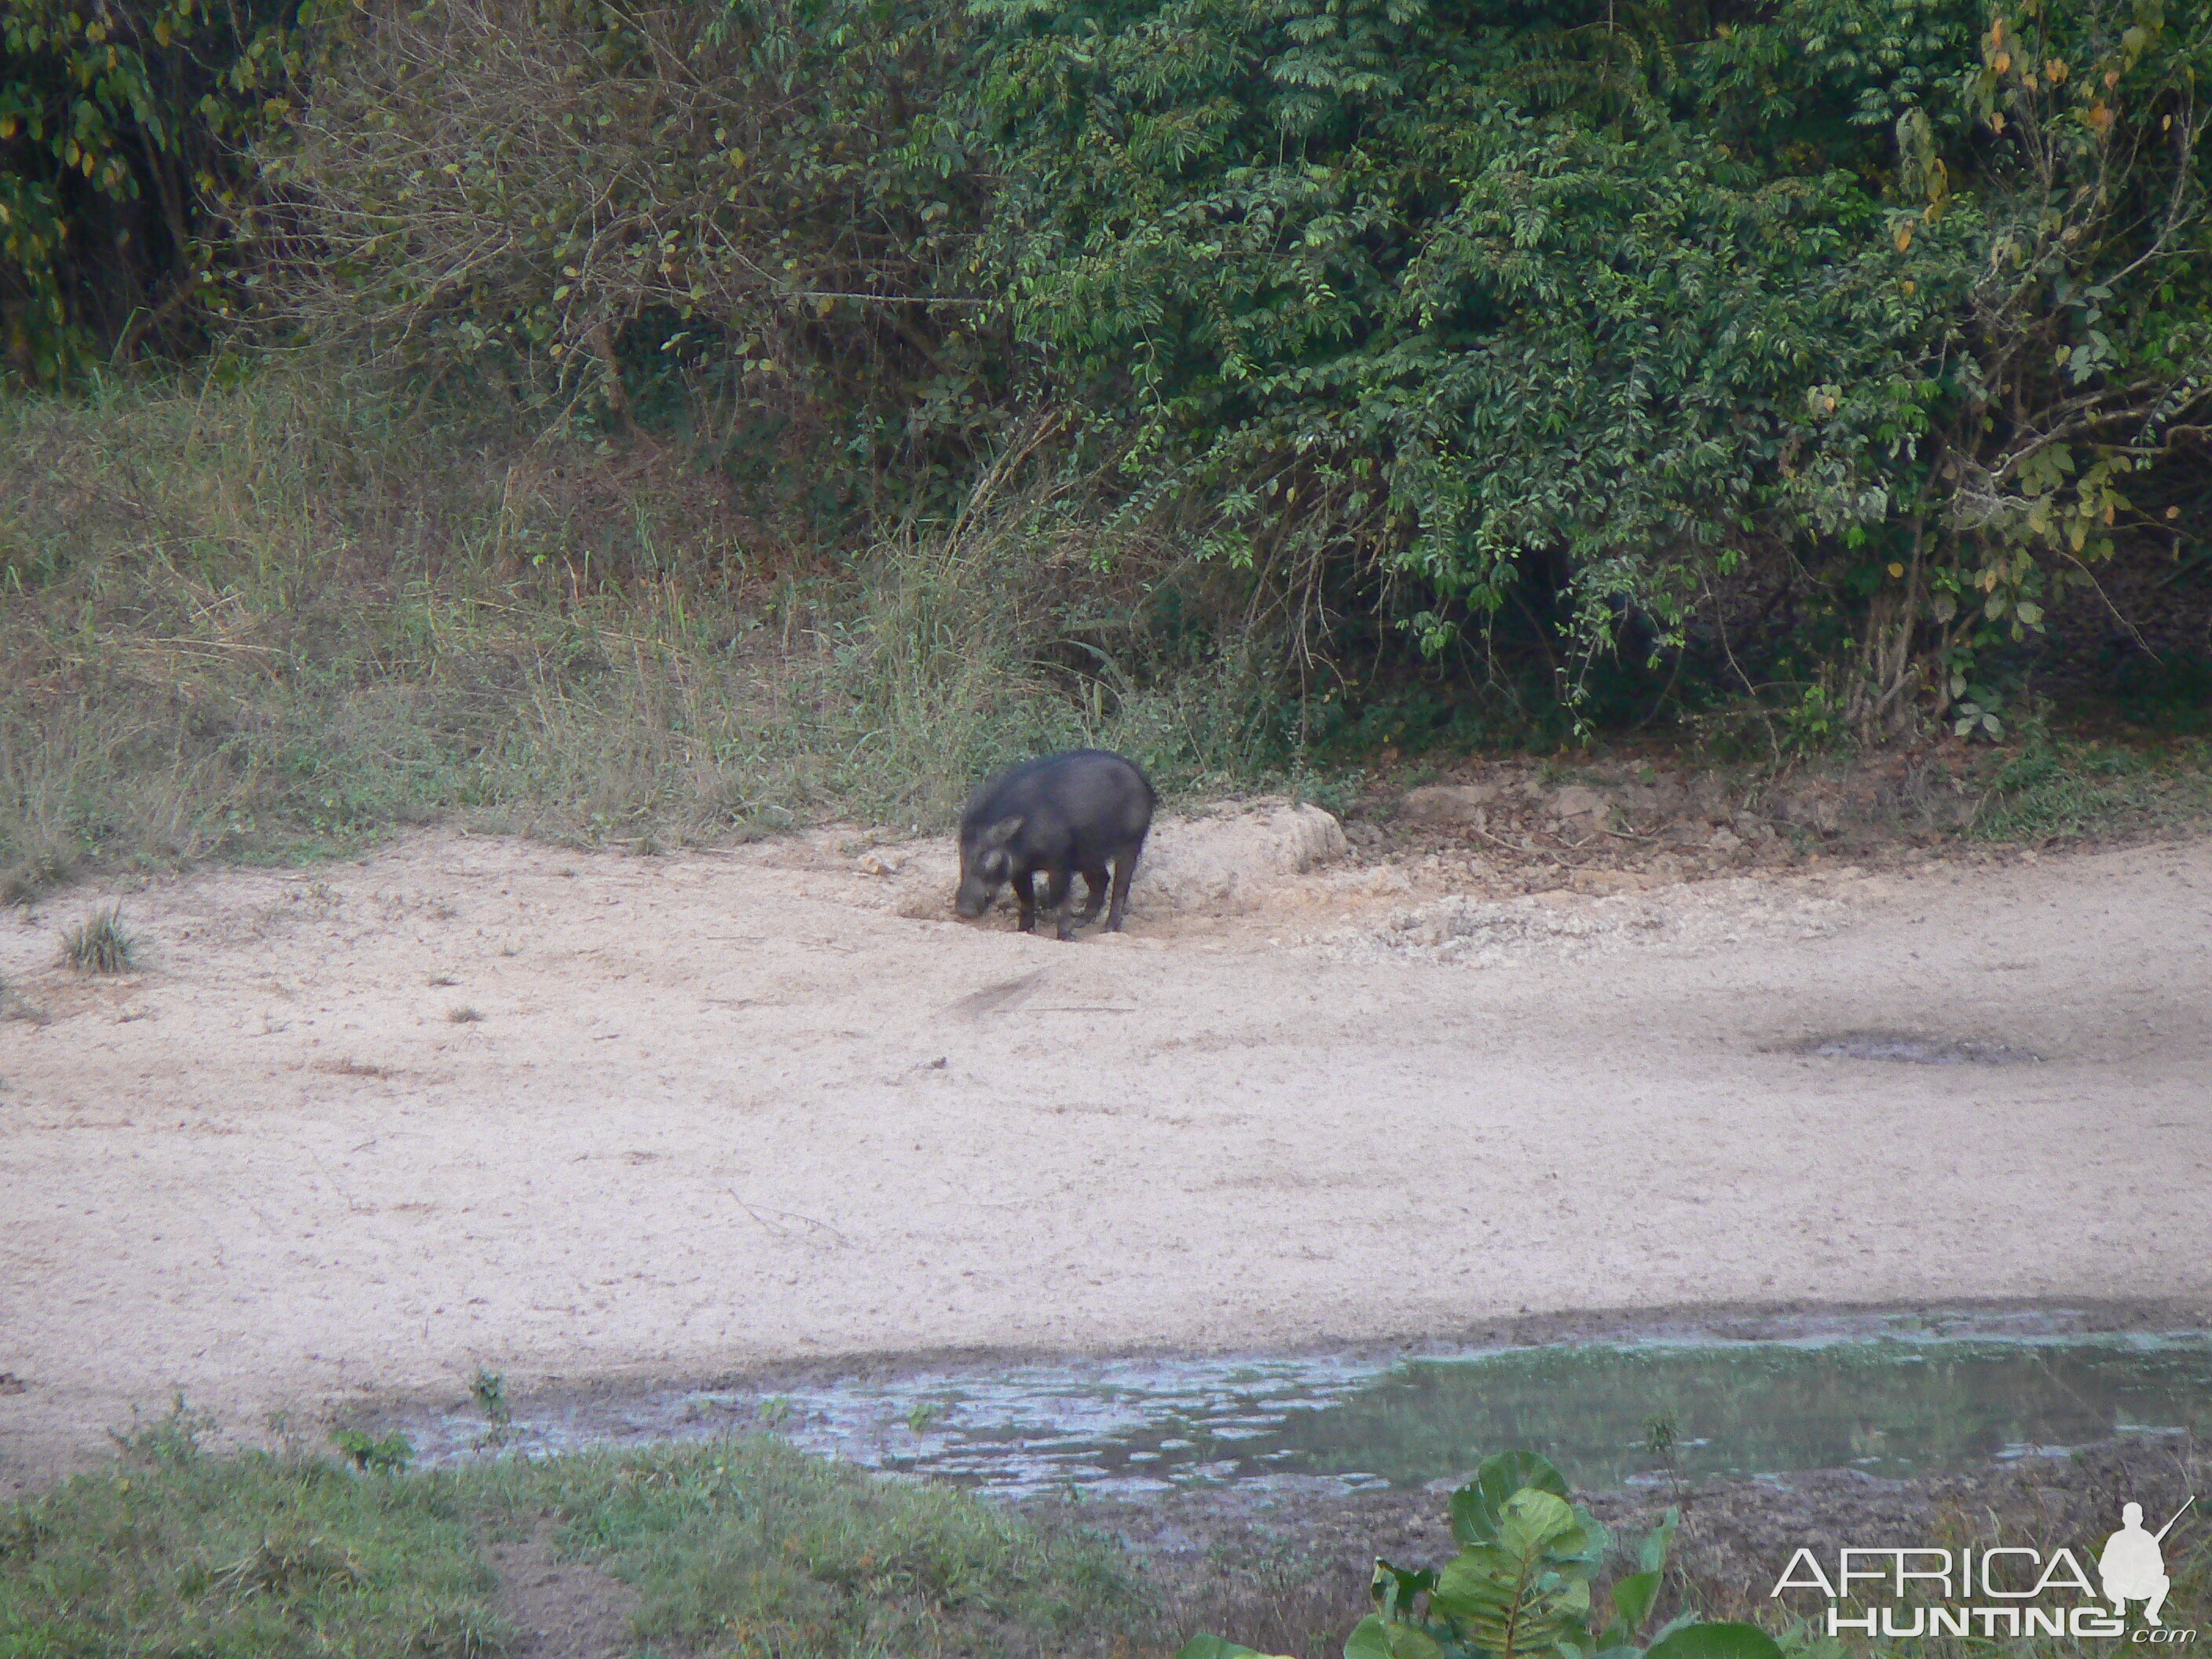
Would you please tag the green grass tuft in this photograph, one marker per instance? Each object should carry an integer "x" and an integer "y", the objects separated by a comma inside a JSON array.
[
  {"x": 250, "y": 1557},
  {"x": 2055, "y": 790},
  {"x": 101, "y": 944},
  {"x": 745, "y": 1547},
  {"x": 748, "y": 1546}
]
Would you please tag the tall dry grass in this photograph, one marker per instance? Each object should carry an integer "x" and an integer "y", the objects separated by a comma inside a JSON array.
[{"x": 270, "y": 612}]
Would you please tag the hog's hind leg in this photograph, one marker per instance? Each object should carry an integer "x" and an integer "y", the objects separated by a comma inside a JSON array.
[
  {"x": 1095, "y": 900},
  {"x": 1124, "y": 866}
]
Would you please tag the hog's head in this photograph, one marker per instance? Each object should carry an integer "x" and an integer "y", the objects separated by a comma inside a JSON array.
[{"x": 985, "y": 866}]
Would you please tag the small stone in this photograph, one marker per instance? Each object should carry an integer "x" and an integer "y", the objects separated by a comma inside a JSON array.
[
  {"x": 1576, "y": 802},
  {"x": 1447, "y": 802},
  {"x": 1607, "y": 881},
  {"x": 1812, "y": 805}
]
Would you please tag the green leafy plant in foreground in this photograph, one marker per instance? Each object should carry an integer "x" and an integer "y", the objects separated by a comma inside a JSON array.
[
  {"x": 389, "y": 1455},
  {"x": 1521, "y": 1585}
]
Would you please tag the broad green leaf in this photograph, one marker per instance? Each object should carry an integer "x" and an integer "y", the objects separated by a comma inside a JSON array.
[
  {"x": 1526, "y": 1590},
  {"x": 1369, "y": 1639},
  {"x": 1216, "y": 1647},
  {"x": 1633, "y": 1597},
  {"x": 1716, "y": 1642},
  {"x": 1475, "y": 1506},
  {"x": 1533, "y": 1520},
  {"x": 1377, "y": 1637}
]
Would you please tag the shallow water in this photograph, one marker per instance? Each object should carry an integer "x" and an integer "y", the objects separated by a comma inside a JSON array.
[
  {"x": 1610, "y": 1413},
  {"x": 1912, "y": 1050}
]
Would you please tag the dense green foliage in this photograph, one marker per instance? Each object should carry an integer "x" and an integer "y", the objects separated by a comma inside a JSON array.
[
  {"x": 1462, "y": 289},
  {"x": 1415, "y": 318},
  {"x": 123, "y": 129}
]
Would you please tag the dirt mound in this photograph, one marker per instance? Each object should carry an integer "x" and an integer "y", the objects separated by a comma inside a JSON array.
[{"x": 1229, "y": 863}]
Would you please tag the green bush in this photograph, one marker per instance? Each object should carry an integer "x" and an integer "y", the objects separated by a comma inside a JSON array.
[
  {"x": 1897, "y": 297},
  {"x": 1521, "y": 1585},
  {"x": 1833, "y": 347}
]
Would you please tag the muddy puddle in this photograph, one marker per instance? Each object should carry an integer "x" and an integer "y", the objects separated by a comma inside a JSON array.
[
  {"x": 1888, "y": 1400},
  {"x": 1907, "y": 1048}
]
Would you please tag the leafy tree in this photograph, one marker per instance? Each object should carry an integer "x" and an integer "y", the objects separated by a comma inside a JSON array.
[
  {"x": 1406, "y": 306},
  {"x": 1451, "y": 290},
  {"x": 2054, "y": 200},
  {"x": 121, "y": 126}
]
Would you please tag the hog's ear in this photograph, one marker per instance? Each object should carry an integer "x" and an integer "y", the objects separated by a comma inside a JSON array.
[{"x": 1002, "y": 832}]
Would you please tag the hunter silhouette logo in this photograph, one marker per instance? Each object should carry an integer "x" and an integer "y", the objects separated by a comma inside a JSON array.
[{"x": 2133, "y": 1567}]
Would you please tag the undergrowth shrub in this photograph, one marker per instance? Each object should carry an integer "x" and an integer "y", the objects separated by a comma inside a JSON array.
[
  {"x": 1238, "y": 385},
  {"x": 767, "y": 203}
]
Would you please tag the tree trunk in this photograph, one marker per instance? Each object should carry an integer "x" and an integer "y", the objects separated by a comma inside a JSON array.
[{"x": 1888, "y": 670}]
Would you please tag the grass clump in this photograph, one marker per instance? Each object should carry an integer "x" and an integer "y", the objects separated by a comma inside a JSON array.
[
  {"x": 172, "y": 1552},
  {"x": 749, "y": 1545},
  {"x": 738, "y": 1546},
  {"x": 2055, "y": 790},
  {"x": 100, "y": 944}
]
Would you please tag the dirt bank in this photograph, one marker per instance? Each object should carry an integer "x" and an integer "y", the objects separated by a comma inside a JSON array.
[{"x": 492, "y": 1102}]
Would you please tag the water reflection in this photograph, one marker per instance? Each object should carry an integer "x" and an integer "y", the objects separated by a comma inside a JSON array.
[{"x": 1889, "y": 1406}]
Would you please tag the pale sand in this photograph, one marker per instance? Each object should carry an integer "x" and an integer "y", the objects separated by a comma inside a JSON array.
[{"x": 733, "y": 1109}]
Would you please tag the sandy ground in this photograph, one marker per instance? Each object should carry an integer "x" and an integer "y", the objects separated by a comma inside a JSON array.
[{"x": 728, "y": 1109}]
